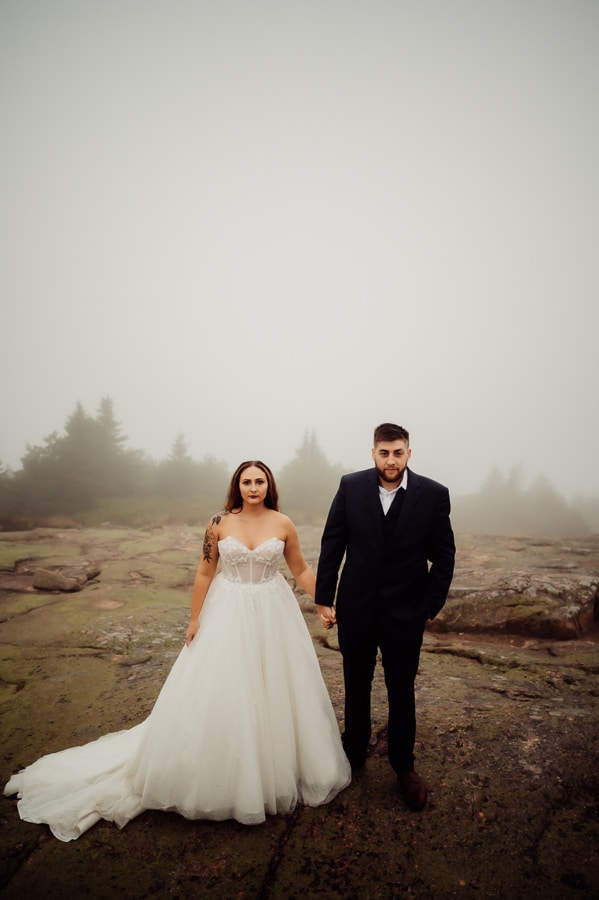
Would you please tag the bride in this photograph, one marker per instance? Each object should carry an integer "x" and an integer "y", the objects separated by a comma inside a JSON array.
[{"x": 243, "y": 726}]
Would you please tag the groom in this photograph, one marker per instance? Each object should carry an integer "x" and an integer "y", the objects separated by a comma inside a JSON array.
[{"x": 389, "y": 523}]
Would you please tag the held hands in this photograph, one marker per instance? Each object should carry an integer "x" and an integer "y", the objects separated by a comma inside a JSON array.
[
  {"x": 192, "y": 630},
  {"x": 327, "y": 616}
]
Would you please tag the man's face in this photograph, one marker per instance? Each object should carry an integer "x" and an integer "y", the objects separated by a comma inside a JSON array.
[{"x": 390, "y": 460}]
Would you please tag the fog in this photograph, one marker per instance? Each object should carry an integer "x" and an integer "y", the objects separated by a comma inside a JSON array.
[{"x": 246, "y": 221}]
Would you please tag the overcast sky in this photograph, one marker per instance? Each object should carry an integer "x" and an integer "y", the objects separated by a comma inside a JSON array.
[{"x": 245, "y": 220}]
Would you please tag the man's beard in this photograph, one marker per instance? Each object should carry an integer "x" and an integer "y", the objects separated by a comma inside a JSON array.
[{"x": 390, "y": 478}]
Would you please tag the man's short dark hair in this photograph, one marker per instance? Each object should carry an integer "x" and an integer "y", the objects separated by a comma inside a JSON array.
[{"x": 389, "y": 432}]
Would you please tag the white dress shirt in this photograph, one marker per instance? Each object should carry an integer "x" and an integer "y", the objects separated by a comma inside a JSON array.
[{"x": 387, "y": 497}]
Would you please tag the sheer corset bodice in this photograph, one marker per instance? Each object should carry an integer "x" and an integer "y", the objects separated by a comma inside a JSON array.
[{"x": 245, "y": 566}]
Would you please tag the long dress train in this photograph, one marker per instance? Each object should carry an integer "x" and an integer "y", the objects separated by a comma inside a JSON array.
[{"x": 243, "y": 726}]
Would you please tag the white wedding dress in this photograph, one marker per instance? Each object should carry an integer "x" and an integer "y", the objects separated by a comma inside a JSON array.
[{"x": 243, "y": 726}]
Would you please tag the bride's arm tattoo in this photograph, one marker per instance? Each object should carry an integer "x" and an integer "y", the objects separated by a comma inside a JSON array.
[
  {"x": 210, "y": 539},
  {"x": 209, "y": 542}
]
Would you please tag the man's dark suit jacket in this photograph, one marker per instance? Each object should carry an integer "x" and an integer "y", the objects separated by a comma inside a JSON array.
[{"x": 386, "y": 569}]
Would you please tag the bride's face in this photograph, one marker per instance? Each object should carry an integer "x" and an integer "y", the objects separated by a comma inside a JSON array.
[{"x": 253, "y": 486}]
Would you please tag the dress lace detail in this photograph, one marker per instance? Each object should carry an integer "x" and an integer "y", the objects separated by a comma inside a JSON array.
[{"x": 245, "y": 566}]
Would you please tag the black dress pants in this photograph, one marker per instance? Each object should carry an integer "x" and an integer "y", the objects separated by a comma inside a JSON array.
[{"x": 400, "y": 652}]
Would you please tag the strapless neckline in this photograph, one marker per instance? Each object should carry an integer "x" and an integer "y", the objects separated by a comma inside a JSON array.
[{"x": 249, "y": 549}]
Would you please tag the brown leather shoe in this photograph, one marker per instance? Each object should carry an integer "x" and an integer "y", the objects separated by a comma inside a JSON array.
[{"x": 414, "y": 790}]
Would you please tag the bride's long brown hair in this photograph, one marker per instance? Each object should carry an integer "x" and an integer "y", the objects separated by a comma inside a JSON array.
[{"x": 234, "y": 500}]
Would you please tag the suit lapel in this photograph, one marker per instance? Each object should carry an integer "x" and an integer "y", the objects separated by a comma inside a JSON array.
[
  {"x": 411, "y": 498},
  {"x": 374, "y": 503}
]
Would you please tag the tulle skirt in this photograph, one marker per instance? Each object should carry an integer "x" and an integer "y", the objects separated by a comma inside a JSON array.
[{"x": 243, "y": 727}]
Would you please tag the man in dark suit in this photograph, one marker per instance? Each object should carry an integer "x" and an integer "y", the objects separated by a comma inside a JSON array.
[{"x": 390, "y": 524}]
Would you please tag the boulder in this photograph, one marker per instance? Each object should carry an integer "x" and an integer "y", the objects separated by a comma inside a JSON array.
[
  {"x": 557, "y": 607},
  {"x": 65, "y": 578},
  {"x": 57, "y": 580}
]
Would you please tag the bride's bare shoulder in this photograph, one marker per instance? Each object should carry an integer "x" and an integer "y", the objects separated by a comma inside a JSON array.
[
  {"x": 286, "y": 524},
  {"x": 216, "y": 520}
]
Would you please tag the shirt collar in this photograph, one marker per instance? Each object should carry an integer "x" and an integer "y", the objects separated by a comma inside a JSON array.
[{"x": 403, "y": 486}]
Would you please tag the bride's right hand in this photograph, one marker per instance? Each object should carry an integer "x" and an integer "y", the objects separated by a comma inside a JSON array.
[{"x": 192, "y": 630}]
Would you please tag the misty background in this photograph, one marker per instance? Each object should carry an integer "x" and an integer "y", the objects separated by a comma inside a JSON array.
[{"x": 246, "y": 223}]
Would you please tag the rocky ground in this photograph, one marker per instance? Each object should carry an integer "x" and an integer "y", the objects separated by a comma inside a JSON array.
[{"x": 508, "y": 731}]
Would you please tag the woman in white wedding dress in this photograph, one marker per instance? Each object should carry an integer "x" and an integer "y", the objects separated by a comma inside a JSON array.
[{"x": 243, "y": 726}]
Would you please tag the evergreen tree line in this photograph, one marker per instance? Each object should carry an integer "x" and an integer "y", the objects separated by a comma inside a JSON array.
[
  {"x": 503, "y": 505},
  {"x": 87, "y": 475}
]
